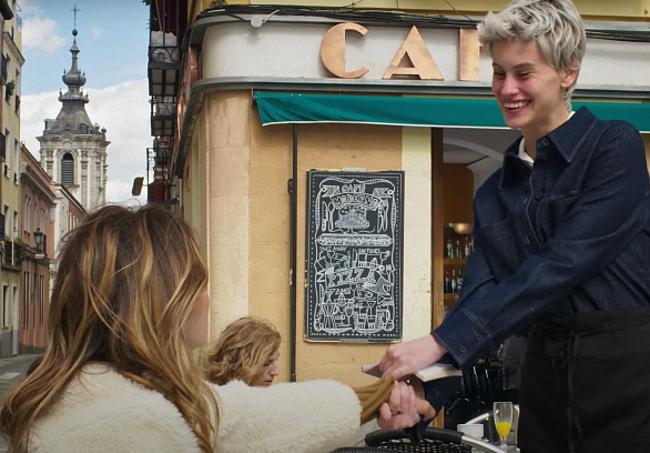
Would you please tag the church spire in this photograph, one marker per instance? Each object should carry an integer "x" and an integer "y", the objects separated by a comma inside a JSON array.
[
  {"x": 74, "y": 78},
  {"x": 73, "y": 148}
]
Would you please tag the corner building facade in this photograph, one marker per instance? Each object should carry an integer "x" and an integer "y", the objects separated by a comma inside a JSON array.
[{"x": 266, "y": 95}]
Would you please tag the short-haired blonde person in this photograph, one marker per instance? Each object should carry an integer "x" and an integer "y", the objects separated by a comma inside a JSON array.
[
  {"x": 248, "y": 350},
  {"x": 128, "y": 306},
  {"x": 562, "y": 249}
]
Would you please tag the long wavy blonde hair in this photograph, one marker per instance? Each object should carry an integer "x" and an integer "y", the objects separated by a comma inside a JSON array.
[
  {"x": 241, "y": 351},
  {"x": 125, "y": 285}
]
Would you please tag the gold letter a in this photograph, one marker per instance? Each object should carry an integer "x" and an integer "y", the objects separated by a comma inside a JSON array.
[{"x": 423, "y": 65}]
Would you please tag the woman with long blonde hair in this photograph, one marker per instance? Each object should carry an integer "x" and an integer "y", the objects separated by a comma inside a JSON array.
[
  {"x": 128, "y": 306},
  {"x": 248, "y": 350}
]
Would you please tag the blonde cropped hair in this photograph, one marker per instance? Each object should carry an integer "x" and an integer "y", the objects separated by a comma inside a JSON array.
[
  {"x": 125, "y": 285},
  {"x": 555, "y": 25},
  {"x": 241, "y": 351}
]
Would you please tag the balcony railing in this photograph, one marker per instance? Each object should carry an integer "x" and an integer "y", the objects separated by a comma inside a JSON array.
[
  {"x": 164, "y": 64},
  {"x": 164, "y": 105},
  {"x": 163, "y": 115},
  {"x": 161, "y": 156}
]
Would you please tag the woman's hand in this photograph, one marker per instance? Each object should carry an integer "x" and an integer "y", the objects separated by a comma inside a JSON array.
[
  {"x": 401, "y": 410},
  {"x": 425, "y": 409},
  {"x": 406, "y": 358}
]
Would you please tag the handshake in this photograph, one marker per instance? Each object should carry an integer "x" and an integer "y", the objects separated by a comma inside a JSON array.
[
  {"x": 410, "y": 389},
  {"x": 397, "y": 404}
]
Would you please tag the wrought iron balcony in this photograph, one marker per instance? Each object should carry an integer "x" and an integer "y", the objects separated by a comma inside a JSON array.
[
  {"x": 163, "y": 115},
  {"x": 7, "y": 252},
  {"x": 161, "y": 157},
  {"x": 164, "y": 64}
]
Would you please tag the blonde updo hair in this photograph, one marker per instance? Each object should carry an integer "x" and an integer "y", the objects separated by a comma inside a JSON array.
[
  {"x": 241, "y": 351},
  {"x": 125, "y": 285},
  {"x": 555, "y": 25}
]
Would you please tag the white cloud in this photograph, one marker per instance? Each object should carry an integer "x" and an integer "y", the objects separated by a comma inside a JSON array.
[
  {"x": 124, "y": 111},
  {"x": 96, "y": 32},
  {"x": 40, "y": 33}
]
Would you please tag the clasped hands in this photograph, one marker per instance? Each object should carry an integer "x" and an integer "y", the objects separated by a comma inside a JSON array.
[{"x": 401, "y": 405}]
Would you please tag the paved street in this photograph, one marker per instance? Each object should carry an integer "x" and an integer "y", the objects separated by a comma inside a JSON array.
[{"x": 12, "y": 370}]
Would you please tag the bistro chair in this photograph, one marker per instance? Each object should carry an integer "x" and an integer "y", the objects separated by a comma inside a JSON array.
[{"x": 435, "y": 441}]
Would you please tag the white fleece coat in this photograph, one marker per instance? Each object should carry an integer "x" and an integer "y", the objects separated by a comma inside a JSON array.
[{"x": 101, "y": 411}]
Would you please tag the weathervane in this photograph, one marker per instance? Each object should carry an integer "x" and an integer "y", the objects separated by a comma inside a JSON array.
[{"x": 75, "y": 10}]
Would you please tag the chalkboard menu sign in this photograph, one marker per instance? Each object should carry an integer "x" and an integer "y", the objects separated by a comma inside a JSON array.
[{"x": 354, "y": 256}]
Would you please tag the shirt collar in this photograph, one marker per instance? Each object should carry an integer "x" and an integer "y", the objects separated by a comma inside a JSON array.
[
  {"x": 523, "y": 155},
  {"x": 567, "y": 139},
  {"x": 569, "y": 136}
]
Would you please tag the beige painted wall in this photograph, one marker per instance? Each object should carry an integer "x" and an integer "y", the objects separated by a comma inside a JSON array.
[
  {"x": 248, "y": 222},
  {"x": 334, "y": 147},
  {"x": 418, "y": 231},
  {"x": 225, "y": 124},
  {"x": 238, "y": 179},
  {"x": 270, "y": 169},
  {"x": 195, "y": 207}
]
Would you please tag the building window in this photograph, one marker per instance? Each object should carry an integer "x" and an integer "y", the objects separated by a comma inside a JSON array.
[
  {"x": 41, "y": 296},
  {"x": 67, "y": 169},
  {"x": 5, "y": 215},
  {"x": 5, "y": 303},
  {"x": 15, "y": 225},
  {"x": 16, "y": 157},
  {"x": 14, "y": 309},
  {"x": 25, "y": 314},
  {"x": 27, "y": 214},
  {"x": 10, "y": 152}
]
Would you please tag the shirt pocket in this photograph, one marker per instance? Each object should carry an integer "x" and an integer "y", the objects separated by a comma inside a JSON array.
[{"x": 553, "y": 211}]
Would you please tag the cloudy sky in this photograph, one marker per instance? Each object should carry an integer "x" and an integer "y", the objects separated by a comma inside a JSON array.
[{"x": 113, "y": 42}]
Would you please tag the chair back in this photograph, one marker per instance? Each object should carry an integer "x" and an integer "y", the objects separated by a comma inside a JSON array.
[{"x": 435, "y": 441}]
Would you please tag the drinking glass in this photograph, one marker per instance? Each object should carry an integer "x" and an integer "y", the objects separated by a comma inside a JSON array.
[{"x": 503, "y": 411}]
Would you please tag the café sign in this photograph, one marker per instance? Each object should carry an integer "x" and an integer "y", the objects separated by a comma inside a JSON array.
[{"x": 411, "y": 61}]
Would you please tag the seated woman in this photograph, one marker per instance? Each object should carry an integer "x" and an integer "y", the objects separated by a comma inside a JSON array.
[
  {"x": 248, "y": 349},
  {"x": 129, "y": 304}
]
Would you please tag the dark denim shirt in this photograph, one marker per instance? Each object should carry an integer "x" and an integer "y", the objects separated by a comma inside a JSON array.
[{"x": 568, "y": 235}]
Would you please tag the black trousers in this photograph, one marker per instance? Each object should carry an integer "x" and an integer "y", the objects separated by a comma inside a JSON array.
[{"x": 586, "y": 384}]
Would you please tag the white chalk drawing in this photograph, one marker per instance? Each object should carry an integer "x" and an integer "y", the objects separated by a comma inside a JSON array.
[{"x": 353, "y": 263}]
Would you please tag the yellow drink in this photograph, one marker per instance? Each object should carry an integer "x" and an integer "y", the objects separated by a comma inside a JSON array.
[{"x": 503, "y": 428}]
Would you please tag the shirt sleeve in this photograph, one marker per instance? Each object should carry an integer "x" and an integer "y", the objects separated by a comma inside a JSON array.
[
  {"x": 310, "y": 417},
  {"x": 602, "y": 219}
]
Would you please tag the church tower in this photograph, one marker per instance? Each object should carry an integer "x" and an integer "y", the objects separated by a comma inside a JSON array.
[{"x": 73, "y": 149}]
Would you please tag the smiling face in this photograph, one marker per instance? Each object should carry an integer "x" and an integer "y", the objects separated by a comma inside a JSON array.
[
  {"x": 529, "y": 90},
  {"x": 270, "y": 370}
]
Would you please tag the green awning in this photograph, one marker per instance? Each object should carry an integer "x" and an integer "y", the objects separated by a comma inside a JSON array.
[{"x": 289, "y": 108}]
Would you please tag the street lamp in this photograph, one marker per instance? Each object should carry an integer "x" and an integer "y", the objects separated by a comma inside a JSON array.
[{"x": 38, "y": 239}]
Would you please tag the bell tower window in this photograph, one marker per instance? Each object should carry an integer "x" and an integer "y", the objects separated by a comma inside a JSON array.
[{"x": 67, "y": 169}]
